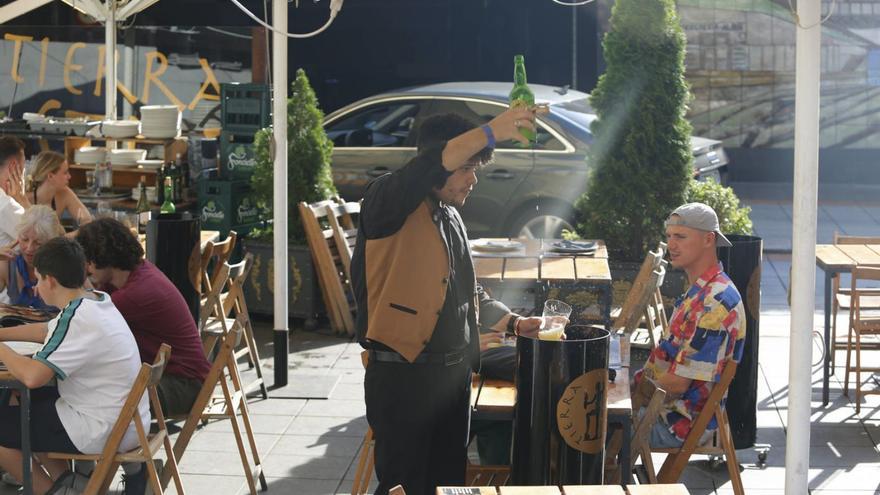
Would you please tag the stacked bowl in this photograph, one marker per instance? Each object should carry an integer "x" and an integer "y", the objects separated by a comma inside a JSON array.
[
  {"x": 120, "y": 129},
  {"x": 126, "y": 158},
  {"x": 160, "y": 121},
  {"x": 90, "y": 155}
]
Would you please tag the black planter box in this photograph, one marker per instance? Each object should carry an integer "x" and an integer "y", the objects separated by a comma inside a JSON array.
[{"x": 305, "y": 295}]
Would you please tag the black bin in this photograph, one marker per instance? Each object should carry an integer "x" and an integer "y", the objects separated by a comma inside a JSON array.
[
  {"x": 742, "y": 262},
  {"x": 561, "y": 413},
  {"x": 172, "y": 245}
]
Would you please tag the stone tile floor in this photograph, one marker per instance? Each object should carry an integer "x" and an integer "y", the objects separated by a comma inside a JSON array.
[{"x": 309, "y": 447}]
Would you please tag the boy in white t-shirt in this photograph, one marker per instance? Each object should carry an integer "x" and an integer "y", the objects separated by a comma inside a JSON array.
[{"x": 89, "y": 348}]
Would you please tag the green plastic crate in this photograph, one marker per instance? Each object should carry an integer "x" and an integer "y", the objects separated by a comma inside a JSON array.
[
  {"x": 224, "y": 204},
  {"x": 237, "y": 156},
  {"x": 245, "y": 107}
]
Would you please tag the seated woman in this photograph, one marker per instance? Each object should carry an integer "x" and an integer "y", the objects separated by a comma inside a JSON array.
[
  {"x": 37, "y": 226},
  {"x": 49, "y": 186}
]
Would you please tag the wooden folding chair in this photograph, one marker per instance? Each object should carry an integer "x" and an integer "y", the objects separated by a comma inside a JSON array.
[
  {"x": 224, "y": 370},
  {"x": 344, "y": 229},
  {"x": 721, "y": 444},
  {"x": 233, "y": 303},
  {"x": 332, "y": 277},
  {"x": 863, "y": 321},
  {"x": 108, "y": 461},
  {"x": 842, "y": 298},
  {"x": 653, "y": 321},
  {"x": 211, "y": 311}
]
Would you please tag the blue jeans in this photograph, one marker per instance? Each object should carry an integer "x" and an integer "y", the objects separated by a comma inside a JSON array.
[{"x": 662, "y": 438}]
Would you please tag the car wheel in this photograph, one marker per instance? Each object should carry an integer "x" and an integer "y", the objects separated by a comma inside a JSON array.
[{"x": 538, "y": 224}]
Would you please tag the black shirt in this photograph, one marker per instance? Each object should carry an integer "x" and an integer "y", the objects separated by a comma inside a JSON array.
[{"x": 387, "y": 203}]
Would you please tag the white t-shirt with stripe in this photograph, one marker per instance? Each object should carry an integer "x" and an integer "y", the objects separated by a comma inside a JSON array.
[{"x": 95, "y": 358}]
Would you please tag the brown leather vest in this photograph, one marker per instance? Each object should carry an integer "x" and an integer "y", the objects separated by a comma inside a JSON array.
[{"x": 406, "y": 273}]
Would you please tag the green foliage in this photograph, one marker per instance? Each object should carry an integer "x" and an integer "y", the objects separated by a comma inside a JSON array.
[
  {"x": 308, "y": 160},
  {"x": 733, "y": 219},
  {"x": 641, "y": 157}
]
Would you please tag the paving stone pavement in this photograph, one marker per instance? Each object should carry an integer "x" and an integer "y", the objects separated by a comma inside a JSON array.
[{"x": 309, "y": 447}]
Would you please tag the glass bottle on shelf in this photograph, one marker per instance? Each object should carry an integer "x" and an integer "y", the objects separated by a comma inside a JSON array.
[
  {"x": 168, "y": 205},
  {"x": 143, "y": 206},
  {"x": 160, "y": 184},
  {"x": 174, "y": 175}
]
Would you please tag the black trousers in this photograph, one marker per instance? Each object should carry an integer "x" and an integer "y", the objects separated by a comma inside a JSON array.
[{"x": 420, "y": 414}]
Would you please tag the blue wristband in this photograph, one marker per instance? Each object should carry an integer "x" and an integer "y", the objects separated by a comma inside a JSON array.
[{"x": 490, "y": 136}]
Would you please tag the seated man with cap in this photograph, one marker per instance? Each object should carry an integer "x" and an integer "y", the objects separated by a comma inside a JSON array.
[{"x": 706, "y": 330}]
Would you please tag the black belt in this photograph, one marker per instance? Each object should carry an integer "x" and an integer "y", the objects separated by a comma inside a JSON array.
[{"x": 446, "y": 359}]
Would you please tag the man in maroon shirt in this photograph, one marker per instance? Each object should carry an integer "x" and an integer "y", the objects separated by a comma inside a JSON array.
[{"x": 151, "y": 305}]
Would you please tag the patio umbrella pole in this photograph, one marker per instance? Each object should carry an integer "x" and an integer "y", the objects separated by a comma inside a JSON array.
[
  {"x": 110, "y": 62},
  {"x": 279, "y": 241},
  {"x": 803, "y": 257}
]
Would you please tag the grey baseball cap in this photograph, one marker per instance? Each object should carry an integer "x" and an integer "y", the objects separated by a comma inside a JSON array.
[{"x": 698, "y": 216}]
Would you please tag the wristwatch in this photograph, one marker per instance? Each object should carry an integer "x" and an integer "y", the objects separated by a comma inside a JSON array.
[{"x": 511, "y": 324}]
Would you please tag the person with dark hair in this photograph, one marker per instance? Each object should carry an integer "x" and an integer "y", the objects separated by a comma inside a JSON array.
[
  {"x": 11, "y": 192},
  {"x": 153, "y": 307},
  {"x": 154, "y": 310},
  {"x": 419, "y": 304},
  {"x": 90, "y": 350}
]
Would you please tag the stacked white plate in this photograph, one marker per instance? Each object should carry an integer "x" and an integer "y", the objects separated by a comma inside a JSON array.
[
  {"x": 160, "y": 121},
  {"x": 90, "y": 155},
  {"x": 126, "y": 158},
  {"x": 120, "y": 129}
]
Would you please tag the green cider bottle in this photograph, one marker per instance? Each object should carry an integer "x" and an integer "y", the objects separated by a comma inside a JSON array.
[
  {"x": 521, "y": 95},
  {"x": 168, "y": 205}
]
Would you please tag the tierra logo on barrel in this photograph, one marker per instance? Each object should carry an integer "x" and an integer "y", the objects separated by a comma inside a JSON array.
[{"x": 581, "y": 413}]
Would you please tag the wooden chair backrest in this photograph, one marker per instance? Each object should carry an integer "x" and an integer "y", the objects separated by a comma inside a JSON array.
[
  {"x": 675, "y": 463},
  {"x": 148, "y": 376},
  {"x": 233, "y": 298},
  {"x": 211, "y": 304},
  {"x": 630, "y": 309},
  {"x": 864, "y": 323},
  {"x": 648, "y": 395},
  {"x": 223, "y": 250},
  {"x": 332, "y": 279},
  {"x": 344, "y": 230},
  {"x": 854, "y": 239},
  {"x": 201, "y": 279}
]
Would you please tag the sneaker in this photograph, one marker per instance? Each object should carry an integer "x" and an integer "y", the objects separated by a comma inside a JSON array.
[
  {"x": 9, "y": 479},
  {"x": 135, "y": 484}
]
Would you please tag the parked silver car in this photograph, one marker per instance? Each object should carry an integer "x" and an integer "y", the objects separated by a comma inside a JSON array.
[{"x": 525, "y": 192}]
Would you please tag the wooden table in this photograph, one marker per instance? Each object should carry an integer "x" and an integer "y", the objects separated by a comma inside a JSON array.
[
  {"x": 677, "y": 489},
  {"x": 535, "y": 263},
  {"x": 495, "y": 400},
  {"x": 204, "y": 237},
  {"x": 834, "y": 259},
  {"x": 24, "y": 400}
]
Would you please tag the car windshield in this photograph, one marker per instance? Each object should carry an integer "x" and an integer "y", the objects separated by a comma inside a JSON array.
[{"x": 577, "y": 111}]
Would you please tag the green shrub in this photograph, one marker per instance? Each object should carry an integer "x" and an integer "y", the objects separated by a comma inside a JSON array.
[
  {"x": 733, "y": 219},
  {"x": 641, "y": 156},
  {"x": 308, "y": 160}
]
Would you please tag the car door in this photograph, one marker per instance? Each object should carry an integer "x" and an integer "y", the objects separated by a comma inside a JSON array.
[
  {"x": 484, "y": 212},
  {"x": 370, "y": 140}
]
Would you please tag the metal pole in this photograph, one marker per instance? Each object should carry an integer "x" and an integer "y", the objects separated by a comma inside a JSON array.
[
  {"x": 803, "y": 258},
  {"x": 110, "y": 62},
  {"x": 574, "y": 48},
  {"x": 279, "y": 124}
]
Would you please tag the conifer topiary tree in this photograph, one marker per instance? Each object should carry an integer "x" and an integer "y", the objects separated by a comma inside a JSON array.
[
  {"x": 641, "y": 156},
  {"x": 308, "y": 159}
]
